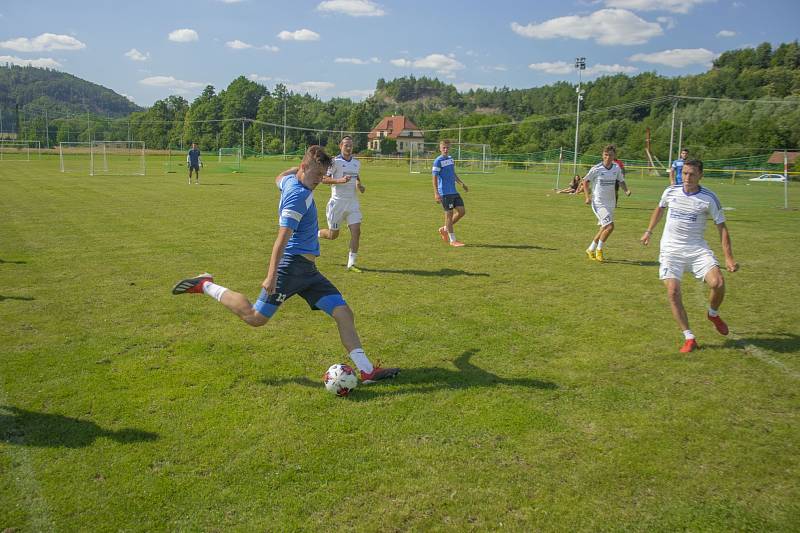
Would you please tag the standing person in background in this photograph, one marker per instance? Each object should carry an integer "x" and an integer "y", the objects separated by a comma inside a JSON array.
[
  {"x": 598, "y": 190},
  {"x": 445, "y": 193},
  {"x": 193, "y": 162},
  {"x": 676, "y": 169}
]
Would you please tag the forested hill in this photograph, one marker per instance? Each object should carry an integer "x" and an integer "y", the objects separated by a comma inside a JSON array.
[{"x": 35, "y": 89}]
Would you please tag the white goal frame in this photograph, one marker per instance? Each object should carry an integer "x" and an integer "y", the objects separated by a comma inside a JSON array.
[
  {"x": 103, "y": 157},
  {"x": 19, "y": 147},
  {"x": 470, "y": 158}
]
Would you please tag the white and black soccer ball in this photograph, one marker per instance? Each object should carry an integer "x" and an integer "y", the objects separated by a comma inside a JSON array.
[{"x": 340, "y": 379}]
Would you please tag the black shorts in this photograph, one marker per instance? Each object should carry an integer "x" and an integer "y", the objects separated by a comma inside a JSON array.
[
  {"x": 194, "y": 167},
  {"x": 298, "y": 275},
  {"x": 451, "y": 201}
]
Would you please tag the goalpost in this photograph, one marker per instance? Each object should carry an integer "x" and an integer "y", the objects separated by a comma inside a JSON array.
[
  {"x": 471, "y": 158},
  {"x": 105, "y": 158},
  {"x": 20, "y": 150},
  {"x": 230, "y": 157}
]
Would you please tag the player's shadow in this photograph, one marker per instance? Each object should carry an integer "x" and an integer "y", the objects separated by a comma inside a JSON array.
[
  {"x": 3, "y": 261},
  {"x": 21, "y": 298},
  {"x": 428, "y": 379},
  {"x": 29, "y": 428},
  {"x": 441, "y": 273},
  {"x": 779, "y": 343},
  {"x": 630, "y": 262},
  {"x": 511, "y": 246}
]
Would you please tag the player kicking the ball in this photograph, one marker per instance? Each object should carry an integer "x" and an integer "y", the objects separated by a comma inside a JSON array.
[
  {"x": 683, "y": 246},
  {"x": 445, "y": 193},
  {"x": 601, "y": 180},
  {"x": 292, "y": 268},
  {"x": 344, "y": 178}
]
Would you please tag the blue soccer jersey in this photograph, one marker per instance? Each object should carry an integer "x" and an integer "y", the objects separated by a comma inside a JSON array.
[
  {"x": 444, "y": 168},
  {"x": 678, "y": 166},
  {"x": 194, "y": 157},
  {"x": 298, "y": 211}
]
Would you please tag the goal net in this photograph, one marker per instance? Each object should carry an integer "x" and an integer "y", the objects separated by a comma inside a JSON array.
[
  {"x": 103, "y": 158},
  {"x": 230, "y": 158},
  {"x": 19, "y": 150},
  {"x": 471, "y": 158}
]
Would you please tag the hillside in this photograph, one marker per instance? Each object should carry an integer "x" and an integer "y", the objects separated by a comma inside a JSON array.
[{"x": 32, "y": 90}]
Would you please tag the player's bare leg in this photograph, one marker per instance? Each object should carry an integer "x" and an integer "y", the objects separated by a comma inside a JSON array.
[
  {"x": 459, "y": 214},
  {"x": 679, "y": 313},
  {"x": 716, "y": 282},
  {"x": 241, "y": 307},
  {"x": 355, "y": 237},
  {"x": 345, "y": 322}
]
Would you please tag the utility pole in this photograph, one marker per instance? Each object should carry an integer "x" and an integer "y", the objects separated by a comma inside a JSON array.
[
  {"x": 580, "y": 65},
  {"x": 284, "y": 126},
  {"x": 459, "y": 142},
  {"x": 242, "y": 137},
  {"x": 680, "y": 139},
  {"x": 672, "y": 131},
  {"x": 46, "y": 128}
]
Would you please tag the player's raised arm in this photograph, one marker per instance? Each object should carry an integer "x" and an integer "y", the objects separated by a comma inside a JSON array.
[
  {"x": 654, "y": 219},
  {"x": 725, "y": 238}
]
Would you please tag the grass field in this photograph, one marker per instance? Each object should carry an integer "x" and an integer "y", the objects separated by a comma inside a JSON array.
[{"x": 539, "y": 391}]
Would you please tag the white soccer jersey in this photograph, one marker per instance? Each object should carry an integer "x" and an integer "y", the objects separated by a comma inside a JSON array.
[
  {"x": 686, "y": 218},
  {"x": 342, "y": 167},
  {"x": 602, "y": 181}
]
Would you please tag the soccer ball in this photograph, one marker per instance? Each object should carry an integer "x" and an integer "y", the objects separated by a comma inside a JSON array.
[{"x": 340, "y": 379}]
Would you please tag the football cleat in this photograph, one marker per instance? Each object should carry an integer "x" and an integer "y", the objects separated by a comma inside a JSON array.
[
  {"x": 598, "y": 256},
  {"x": 192, "y": 285},
  {"x": 353, "y": 268},
  {"x": 590, "y": 253},
  {"x": 443, "y": 234},
  {"x": 689, "y": 346},
  {"x": 720, "y": 324},
  {"x": 457, "y": 244},
  {"x": 378, "y": 374}
]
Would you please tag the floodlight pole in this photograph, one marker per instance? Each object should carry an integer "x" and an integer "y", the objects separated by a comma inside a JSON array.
[
  {"x": 680, "y": 139},
  {"x": 672, "y": 131},
  {"x": 580, "y": 65},
  {"x": 459, "y": 143},
  {"x": 284, "y": 126},
  {"x": 242, "y": 139},
  {"x": 785, "y": 180}
]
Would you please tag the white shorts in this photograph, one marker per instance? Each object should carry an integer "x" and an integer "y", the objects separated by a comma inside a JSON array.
[
  {"x": 604, "y": 214},
  {"x": 342, "y": 210},
  {"x": 700, "y": 260}
]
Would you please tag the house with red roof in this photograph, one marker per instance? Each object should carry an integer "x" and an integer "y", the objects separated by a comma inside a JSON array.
[{"x": 399, "y": 128}]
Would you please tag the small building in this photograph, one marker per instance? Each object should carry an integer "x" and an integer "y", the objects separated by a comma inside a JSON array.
[{"x": 399, "y": 128}]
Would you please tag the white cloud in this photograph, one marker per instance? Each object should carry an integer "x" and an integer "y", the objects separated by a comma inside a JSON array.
[
  {"x": 299, "y": 35},
  {"x": 42, "y": 62},
  {"x": 269, "y": 48},
  {"x": 184, "y": 35},
  {"x": 606, "y": 26},
  {"x": 257, "y": 77},
  {"x": 236, "y": 44},
  {"x": 45, "y": 42},
  {"x": 135, "y": 55},
  {"x": 356, "y": 61},
  {"x": 726, "y": 33},
  {"x": 673, "y": 6},
  {"x": 445, "y": 65},
  {"x": 678, "y": 58},
  {"x": 354, "y": 8},
  {"x": 467, "y": 86},
  {"x": 357, "y": 94},
  {"x": 311, "y": 86},
  {"x": 562, "y": 68},
  {"x": 668, "y": 22},
  {"x": 172, "y": 83}
]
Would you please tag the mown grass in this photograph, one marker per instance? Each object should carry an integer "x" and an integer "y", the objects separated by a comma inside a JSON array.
[{"x": 539, "y": 391}]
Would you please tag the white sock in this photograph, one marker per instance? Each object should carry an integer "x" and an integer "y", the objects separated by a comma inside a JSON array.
[
  {"x": 351, "y": 259},
  {"x": 592, "y": 246},
  {"x": 452, "y": 236},
  {"x": 687, "y": 334},
  {"x": 599, "y": 245},
  {"x": 360, "y": 359},
  {"x": 319, "y": 234},
  {"x": 713, "y": 312},
  {"x": 214, "y": 290}
]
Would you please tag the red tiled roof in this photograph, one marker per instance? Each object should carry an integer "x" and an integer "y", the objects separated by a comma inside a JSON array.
[
  {"x": 777, "y": 157},
  {"x": 399, "y": 123}
]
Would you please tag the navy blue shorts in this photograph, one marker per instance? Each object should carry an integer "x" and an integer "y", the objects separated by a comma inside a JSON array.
[
  {"x": 194, "y": 167},
  {"x": 451, "y": 201},
  {"x": 298, "y": 275}
]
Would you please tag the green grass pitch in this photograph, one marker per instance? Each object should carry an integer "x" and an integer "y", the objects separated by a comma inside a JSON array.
[{"x": 539, "y": 391}]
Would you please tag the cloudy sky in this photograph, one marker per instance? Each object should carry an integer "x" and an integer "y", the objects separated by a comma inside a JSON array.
[{"x": 148, "y": 50}]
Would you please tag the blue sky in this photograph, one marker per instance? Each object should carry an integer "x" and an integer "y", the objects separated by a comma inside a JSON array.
[{"x": 148, "y": 50}]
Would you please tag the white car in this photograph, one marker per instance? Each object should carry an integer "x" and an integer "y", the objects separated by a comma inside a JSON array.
[{"x": 769, "y": 177}]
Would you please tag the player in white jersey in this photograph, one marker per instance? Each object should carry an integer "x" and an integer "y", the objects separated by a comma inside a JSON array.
[
  {"x": 600, "y": 182},
  {"x": 344, "y": 176},
  {"x": 684, "y": 247}
]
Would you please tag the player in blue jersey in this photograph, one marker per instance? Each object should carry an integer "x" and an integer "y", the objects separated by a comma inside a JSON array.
[
  {"x": 292, "y": 269},
  {"x": 683, "y": 246},
  {"x": 445, "y": 193},
  {"x": 193, "y": 162},
  {"x": 676, "y": 169}
]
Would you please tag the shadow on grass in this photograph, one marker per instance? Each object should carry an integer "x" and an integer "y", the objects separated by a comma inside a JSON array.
[
  {"x": 21, "y": 298},
  {"x": 511, "y": 247},
  {"x": 629, "y": 262},
  {"x": 29, "y": 428},
  {"x": 3, "y": 261},
  {"x": 215, "y": 184},
  {"x": 429, "y": 379},
  {"x": 441, "y": 273},
  {"x": 779, "y": 343}
]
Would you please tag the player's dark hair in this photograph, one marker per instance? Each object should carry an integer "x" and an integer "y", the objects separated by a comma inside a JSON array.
[
  {"x": 317, "y": 154},
  {"x": 344, "y": 139},
  {"x": 696, "y": 163},
  {"x": 610, "y": 148},
  {"x": 685, "y": 150}
]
